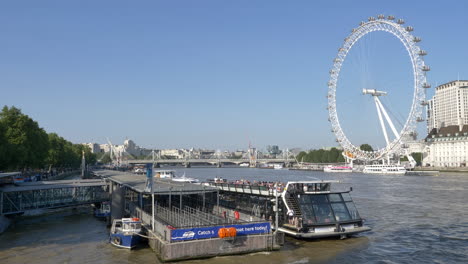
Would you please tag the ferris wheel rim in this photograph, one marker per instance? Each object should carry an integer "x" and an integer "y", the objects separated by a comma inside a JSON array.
[{"x": 419, "y": 77}]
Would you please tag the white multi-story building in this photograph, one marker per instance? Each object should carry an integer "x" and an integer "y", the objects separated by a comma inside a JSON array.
[
  {"x": 447, "y": 147},
  {"x": 449, "y": 106}
]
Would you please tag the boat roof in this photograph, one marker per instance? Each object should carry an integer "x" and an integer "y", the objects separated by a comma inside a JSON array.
[
  {"x": 160, "y": 186},
  {"x": 131, "y": 220},
  {"x": 9, "y": 174},
  {"x": 317, "y": 181}
]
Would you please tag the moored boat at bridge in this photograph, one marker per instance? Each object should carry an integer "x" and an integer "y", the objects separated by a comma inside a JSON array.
[{"x": 125, "y": 233}]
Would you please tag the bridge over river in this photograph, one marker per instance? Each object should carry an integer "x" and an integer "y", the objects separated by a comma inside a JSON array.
[
  {"x": 29, "y": 196},
  {"x": 212, "y": 161}
]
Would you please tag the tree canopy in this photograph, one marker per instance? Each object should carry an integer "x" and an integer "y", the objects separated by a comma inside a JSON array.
[
  {"x": 23, "y": 144},
  {"x": 321, "y": 156},
  {"x": 366, "y": 147}
]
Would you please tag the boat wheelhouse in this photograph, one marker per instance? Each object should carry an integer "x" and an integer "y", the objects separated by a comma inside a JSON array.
[
  {"x": 125, "y": 232},
  {"x": 384, "y": 169},
  {"x": 320, "y": 212}
]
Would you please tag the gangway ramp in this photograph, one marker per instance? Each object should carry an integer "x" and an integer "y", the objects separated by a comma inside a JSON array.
[{"x": 22, "y": 197}]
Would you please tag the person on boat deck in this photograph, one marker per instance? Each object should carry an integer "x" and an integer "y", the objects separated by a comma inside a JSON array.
[{"x": 290, "y": 214}]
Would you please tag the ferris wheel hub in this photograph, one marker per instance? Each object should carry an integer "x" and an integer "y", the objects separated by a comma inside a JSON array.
[{"x": 373, "y": 92}]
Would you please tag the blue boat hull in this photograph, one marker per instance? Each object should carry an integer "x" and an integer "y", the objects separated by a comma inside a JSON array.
[
  {"x": 124, "y": 241},
  {"x": 101, "y": 215}
]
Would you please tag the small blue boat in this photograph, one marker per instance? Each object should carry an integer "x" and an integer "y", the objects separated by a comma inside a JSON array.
[
  {"x": 103, "y": 211},
  {"x": 125, "y": 232}
]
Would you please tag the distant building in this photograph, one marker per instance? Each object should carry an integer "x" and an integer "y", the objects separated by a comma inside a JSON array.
[
  {"x": 449, "y": 105},
  {"x": 447, "y": 146},
  {"x": 105, "y": 147},
  {"x": 172, "y": 153},
  {"x": 93, "y": 146}
]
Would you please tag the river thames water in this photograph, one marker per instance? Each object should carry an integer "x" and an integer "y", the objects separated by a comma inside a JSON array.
[{"x": 414, "y": 219}]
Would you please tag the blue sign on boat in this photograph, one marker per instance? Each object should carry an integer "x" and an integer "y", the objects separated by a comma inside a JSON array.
[{"x": 212, "y": 232}]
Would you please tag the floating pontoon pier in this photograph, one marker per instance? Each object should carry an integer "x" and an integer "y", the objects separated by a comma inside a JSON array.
[{"x": 184, "y": 220}]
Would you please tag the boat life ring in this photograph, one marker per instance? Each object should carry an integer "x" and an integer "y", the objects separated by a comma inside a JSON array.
[{"x": 116, "y": 240}]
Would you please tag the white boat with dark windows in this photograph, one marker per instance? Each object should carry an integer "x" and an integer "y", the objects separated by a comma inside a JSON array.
[
  {"x": 384, "y": 169},
  {"x": 170, "y": 174},
  {"x": 332, "y": 168}
]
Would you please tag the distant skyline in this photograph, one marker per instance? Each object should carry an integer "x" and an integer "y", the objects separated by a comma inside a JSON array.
[{"x": 213, "y": 74}]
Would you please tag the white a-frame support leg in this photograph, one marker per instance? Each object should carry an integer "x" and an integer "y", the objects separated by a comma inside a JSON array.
[
  {"x": 377, "y": 105},
  {"x": 395, "y": 132}
]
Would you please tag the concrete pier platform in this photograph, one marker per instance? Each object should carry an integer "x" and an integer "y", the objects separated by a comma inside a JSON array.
[{"x": 205, "y": 248}]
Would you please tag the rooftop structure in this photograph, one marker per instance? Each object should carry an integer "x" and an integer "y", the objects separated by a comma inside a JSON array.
[{"x": 137, "y": 183}]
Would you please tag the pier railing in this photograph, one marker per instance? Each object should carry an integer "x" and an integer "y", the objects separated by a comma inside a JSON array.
[
  {"x": 245, "y": 188},
  {"x": 190, "y": 217}
]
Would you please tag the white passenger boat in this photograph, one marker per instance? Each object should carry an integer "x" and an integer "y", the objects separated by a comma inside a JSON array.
[
  {"x": 164, "y": 174},
  {"x": 307, "y": 209},
  {"x": 331, "y": 168},
  {"x": 384, "y": 169},
  {"x": 169, "y": 174},
  {"x": 278, "y": 166}
]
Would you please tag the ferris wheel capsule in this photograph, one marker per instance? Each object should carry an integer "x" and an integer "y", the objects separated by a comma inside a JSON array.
[
  {"x": 425, "y": 68},
  {"x": 426, "y": 85},
  {"x": 422, "y": 53},
  {"x": 380, "y": 16},
  {"x": 371, "y": 19},
  {"x": 400, "y": 21},
  {"x": 420, "y": 119},
  {"x": 409, "y": 28},
  {"x": 416, "y": 39},
  {"x": 424, "y": 103},
  {"x": 391, "y": 18},
  {"x": 362, "y": 23}
]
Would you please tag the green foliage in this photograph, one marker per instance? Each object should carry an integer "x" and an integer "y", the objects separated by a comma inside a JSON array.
[
  {"x": 26, "y": 144},
  {"x": 321, "y": 156},
  {"x": 105, "y": 159},
  {"x": 417, "y": 156},
  {"x": 23, "y": 144},
  {"x": 366, "y": 147}
]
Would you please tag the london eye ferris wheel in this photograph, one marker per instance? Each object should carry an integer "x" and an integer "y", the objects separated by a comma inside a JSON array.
[{"x": 394, "y": 143}]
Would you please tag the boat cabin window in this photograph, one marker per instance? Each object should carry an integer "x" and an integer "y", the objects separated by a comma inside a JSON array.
[
  {"x": 327, "y": 208},
  {"x": 317, "y": 187},
  {"x": 132, "y": 226}
]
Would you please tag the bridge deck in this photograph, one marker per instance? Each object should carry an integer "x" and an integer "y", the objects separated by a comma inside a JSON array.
[{"x": 50, "y": 194}]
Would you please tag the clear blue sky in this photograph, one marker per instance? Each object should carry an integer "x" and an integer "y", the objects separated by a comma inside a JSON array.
[{"x": 214, "y": 74}]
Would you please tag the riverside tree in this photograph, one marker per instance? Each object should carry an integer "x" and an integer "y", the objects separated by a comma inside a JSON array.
[{"x": 23, "y": 144}]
